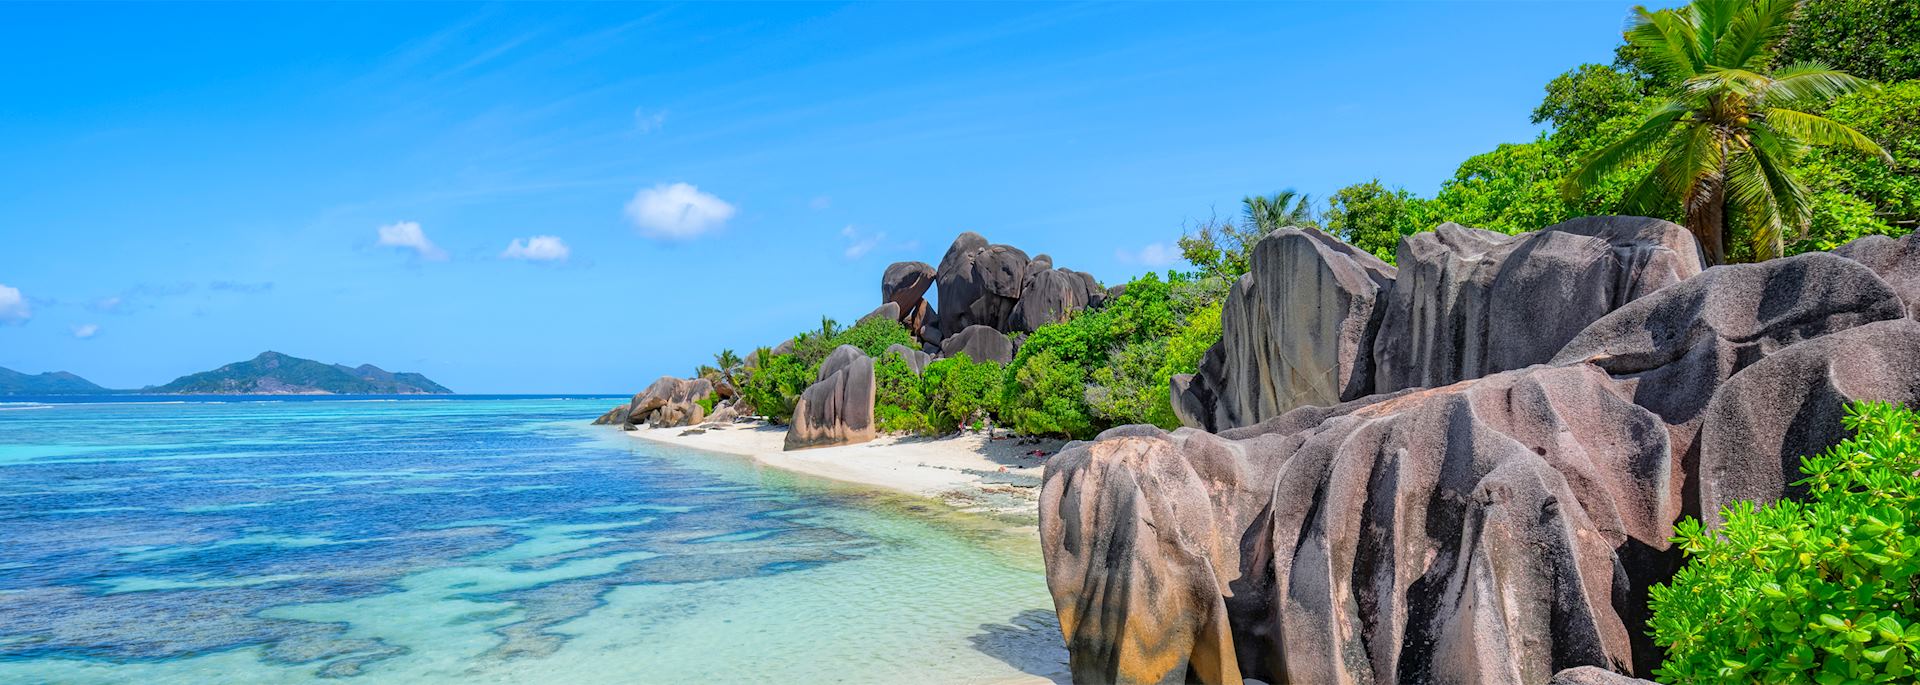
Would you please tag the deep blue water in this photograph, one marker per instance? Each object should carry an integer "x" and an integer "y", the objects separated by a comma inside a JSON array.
[{"x": 465, "y": 539}]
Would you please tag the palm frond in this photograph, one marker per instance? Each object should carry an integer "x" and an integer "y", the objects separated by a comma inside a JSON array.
[
  {"x": 1752, "y": 27},
  {"x": 1813, "y": 129},
  {"x": 1740, "y": 82},
  {"x": 1699, "y": 166},
  {"x": 1809, "y": 83},
  {"x": 1668, "y": 40},
  {"x": 1624, "y": 151}
]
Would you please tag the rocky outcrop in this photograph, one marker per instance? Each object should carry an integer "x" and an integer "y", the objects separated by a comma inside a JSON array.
[
  {"x": 614, "y": 417},
  {"x": 1049, "y": 296},
  {"x": 915, "y": 359},
  {"x": 1768, "y": 417},
  {"x": 1897, "y": 261},
  {"x": 724, "y": 412},
  {"x": 1457, "y": 534},
  {"x": 1469, "y": 302},
  {"x": 838, "y": 408},
  {"x": 905, "y": 284},
  {"x": 979, "y": 343},
  {"x": 885, "y": 312},
  {"x": 1674, "y": 349},
  {"x": 1297, "y": 329},
  {"x": 1589, "y": 675},
  {"x": 670, "y": 402}
]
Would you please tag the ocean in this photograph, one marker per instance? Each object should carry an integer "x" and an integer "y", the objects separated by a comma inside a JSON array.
[{"x": 475, "y": 540}]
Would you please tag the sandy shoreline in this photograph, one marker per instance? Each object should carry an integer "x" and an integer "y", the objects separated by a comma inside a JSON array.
[{"x": 966, "y": 471}]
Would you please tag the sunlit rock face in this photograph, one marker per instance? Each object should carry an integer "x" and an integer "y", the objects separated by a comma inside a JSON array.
[
  {"x": 669, "y": 402},
  {"x": 1469, "y": 302},
  {"x": 838, "y": 408},
  {"x": 1897, "y": 261},
  {"x": 1297, "y": 330},
  {"x": 1496, "y": 528},
  {"x": 1458, "y": 534}
]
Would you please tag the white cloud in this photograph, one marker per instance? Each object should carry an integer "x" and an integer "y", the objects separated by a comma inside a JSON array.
[
  {"x": 1155, "y": 254},
  {"x": 13, "y": 305},
  {"x": 677, "y": 211},
  {"x": 860, "y": 244},
  {"x": 821, "y": 202},
  {"x": 646, "y": 121},
  {"x": 540, "y": 248},
  {"x": 86, "y": 330},
  {"x": 407, "y": 234}
]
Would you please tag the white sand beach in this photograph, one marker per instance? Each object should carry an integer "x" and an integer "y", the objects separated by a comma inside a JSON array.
[{"x": 966, "y": 470}]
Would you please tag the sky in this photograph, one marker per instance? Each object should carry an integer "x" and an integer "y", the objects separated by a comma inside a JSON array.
[{"x": 561, "y": 198}]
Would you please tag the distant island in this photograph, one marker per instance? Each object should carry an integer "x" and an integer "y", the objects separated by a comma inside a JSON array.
[
  {"x": 51, "y": 383},
  {"x": 271, "y": 373}
]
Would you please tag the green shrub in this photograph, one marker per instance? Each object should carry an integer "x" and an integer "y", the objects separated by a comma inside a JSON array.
[
  {"x": 708, "y": 403},
  {"x": 873, "y": 337},
  {"x": 1818, "y": 591},
  {"x": 900, "y": 398},
  {"x": 1130, "y": 387},
  {"x": 775, "y": 383},
  {"x": 1047, "y": 396},
  {"x": 961, "y": 392}
]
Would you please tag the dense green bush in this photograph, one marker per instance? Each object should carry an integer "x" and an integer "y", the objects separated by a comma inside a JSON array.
[
  {"x": 961, "y": 393},
  {"x": 774, "y": 383},
  {"x": 1822, "y": 590},
  {"x": 900, "y": 398},
  {"x": 1046, "y": 396}
]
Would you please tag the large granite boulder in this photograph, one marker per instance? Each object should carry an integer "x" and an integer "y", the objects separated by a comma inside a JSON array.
[
  {"x": 614, "y": 417},
  {"x": 1673, "y": 350},
  {"x": 1469, "y": 302},
  {"x": 885, "y": 312},
  {"x": 1297, "y": 329},
  {"x": 838, "y": 408},
  {"x": 915, "y": 359},
  {"x": 905, "y": 284},
  {"x": 1048, "y": 296},
  {"x": 980, "y": 343},
  {"x": 979, "y": 283},
  {"x": 1896, "y": 260},
  {"x": 670, "y": 402},
  {"x": 1462, "y": 534},
  {"x": 1593, "y": 675},
  {"x": 1768, "y": 417}
]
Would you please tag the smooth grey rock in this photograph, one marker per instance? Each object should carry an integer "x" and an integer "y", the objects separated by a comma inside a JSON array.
[
  {"x": 956, "y": 285},
  {"x": 885, "y": 312},
  {"x": 905, "y": 283},
  {"x": 1773, "y": 414},
  {"x": 979, "y": 343},
  {"x": 838, "y": 408},
  {"x": 1897, "y": 261},
  {"x": 1458, "y": 534},
  {"x": 1469, "y": 302},
  {"x": 915, "y": 359},
  {"x": 670, "y": 402},
  {"x": 1049, "y": 296},
  {"x": 1594, "y": 675}
]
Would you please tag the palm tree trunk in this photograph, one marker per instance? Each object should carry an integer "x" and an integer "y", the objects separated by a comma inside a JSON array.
[{"x": 1708, "y": 220}]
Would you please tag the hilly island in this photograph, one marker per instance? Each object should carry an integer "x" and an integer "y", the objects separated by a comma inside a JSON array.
[{"x": 270, "y": 373}]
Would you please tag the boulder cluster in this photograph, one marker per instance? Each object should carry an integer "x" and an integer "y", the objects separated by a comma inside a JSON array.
[
  {"x": 988, "y": 295},
  {"x": 1465, "y": 469}
]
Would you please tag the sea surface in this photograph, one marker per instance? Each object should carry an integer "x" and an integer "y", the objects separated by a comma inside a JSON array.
[{"x": 475, "y": 540}]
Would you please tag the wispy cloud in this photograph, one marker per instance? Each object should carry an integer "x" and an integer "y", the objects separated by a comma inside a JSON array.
[
  {"x": 821, "y": 202},
  {"x": 1154, "y": 254},
  {"x": 861, "y": 243},
  {"x": 13, "y": 305},
  {"x": 648, "y": 120},
  {"x": 677, "y": 211},
  {"x": 86, "y": 330},
  {"x": 407, "y": 235},
  {"x": 539, "y": 248}
]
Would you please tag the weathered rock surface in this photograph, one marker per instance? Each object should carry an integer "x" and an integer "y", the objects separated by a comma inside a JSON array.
[
  {"x": 724, "y": 412},
  {"x": 838, "y": 408},
  {"x": 979, "y": 283},
  {"x": 1674, "y": 349},
  {"x": 670, "y": 402},
  {"x": 1459, "y": 534},
  {"x": 615, "y": 416},
  {"x": 1592, "y": 675},
  {"x": 1469, "y": 302},
  {"x": 980, "y": 343},
  {"x": 905, "y": 284},
  {"x": 916, "y": 359},
  {"x": 1897, "y": 261},
  {"x": 885, "y": 312},
  {"x": 1048, "y": 296},
  {"x": 1768, "y": 417},
  {"x": 1297, "y": 330}
]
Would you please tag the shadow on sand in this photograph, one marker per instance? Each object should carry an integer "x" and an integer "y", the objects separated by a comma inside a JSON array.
[{"x": 1030, "y": 642}]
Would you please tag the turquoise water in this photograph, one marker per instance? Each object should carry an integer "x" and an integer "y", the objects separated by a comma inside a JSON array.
[{"x": 494, "y": 541}]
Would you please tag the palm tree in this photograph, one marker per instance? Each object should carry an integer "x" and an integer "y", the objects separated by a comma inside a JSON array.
[
  {"x": 1727, "y": 136},
  {"x": 729, "y": 366},
  {"x": 1279, "y": 210}
]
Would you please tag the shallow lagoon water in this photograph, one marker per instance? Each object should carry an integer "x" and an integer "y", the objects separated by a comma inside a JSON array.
[{"x": 464, "y": 540}]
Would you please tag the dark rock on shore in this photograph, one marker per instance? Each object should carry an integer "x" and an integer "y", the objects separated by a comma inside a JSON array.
[
  {"x": 669, "y": 402},
  {"x": 979, "y": 343},
  {"x": 1469, "y": 302},
  {"x": 838, "y": 408}
]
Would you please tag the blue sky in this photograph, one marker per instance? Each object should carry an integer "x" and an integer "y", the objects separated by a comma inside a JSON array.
[{"x": 183, "y": 186}]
